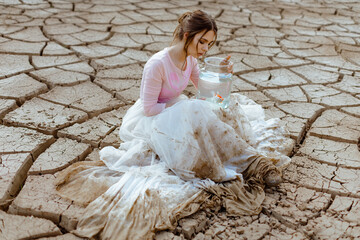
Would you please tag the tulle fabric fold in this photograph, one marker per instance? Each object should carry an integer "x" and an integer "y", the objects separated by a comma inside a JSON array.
[{"x": 169, "y": 166}]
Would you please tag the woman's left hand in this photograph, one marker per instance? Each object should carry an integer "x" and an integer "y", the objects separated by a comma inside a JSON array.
[{"x": 226, "y": 61}]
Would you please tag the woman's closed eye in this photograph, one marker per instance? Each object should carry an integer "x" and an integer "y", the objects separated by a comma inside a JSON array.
[{"x": 203, "y": 42}]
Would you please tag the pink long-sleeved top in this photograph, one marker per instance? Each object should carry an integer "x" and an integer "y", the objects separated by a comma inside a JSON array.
[{"x": 162, "y": 81}]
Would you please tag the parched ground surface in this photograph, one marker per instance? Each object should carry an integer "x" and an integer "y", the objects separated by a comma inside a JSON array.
[{"x": 69, "y": 70}]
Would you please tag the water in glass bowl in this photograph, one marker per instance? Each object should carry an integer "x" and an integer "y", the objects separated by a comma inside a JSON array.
[{"x": 215, "y": 87}]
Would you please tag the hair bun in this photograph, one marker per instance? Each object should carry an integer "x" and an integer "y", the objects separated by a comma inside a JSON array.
[{"x": 185, "y": 15}]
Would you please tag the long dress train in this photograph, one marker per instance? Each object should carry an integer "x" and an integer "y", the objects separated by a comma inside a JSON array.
[{"x": 188, "y": 157}]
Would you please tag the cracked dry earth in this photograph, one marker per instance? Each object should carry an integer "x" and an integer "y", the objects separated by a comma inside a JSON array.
[{"x": 69, "y": 70}]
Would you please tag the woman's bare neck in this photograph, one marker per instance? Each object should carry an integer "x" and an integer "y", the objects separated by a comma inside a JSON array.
[{"x": 177, "y": 55}]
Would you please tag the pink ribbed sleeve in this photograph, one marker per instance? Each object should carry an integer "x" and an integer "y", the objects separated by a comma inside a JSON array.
[
  {"x": 194, "y": 78},
  {"x": 151, "y": 88}
]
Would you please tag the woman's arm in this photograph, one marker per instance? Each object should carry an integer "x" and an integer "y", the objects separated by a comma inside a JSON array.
[
  {"x": 195, "y": 73},
  {"x": 150, "y": 89}
]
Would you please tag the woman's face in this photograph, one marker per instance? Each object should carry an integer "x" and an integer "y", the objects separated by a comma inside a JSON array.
[{"x": 200, "y": 44}]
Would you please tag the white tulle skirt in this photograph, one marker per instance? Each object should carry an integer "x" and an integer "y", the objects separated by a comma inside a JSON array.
[
  {"x": 171, "y": 164},
  {"x": 198, "y": 139}
]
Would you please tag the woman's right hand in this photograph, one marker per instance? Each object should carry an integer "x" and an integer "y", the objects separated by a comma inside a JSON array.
[{"x": 226, "y": 61}]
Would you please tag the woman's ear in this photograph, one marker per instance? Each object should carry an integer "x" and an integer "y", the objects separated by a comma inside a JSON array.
[{"x": 186, "y": 35}]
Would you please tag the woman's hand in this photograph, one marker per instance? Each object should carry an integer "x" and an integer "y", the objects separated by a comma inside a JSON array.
[
  {"x": 226, "y": 61},
  {"x": 169, "y": 104}
]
